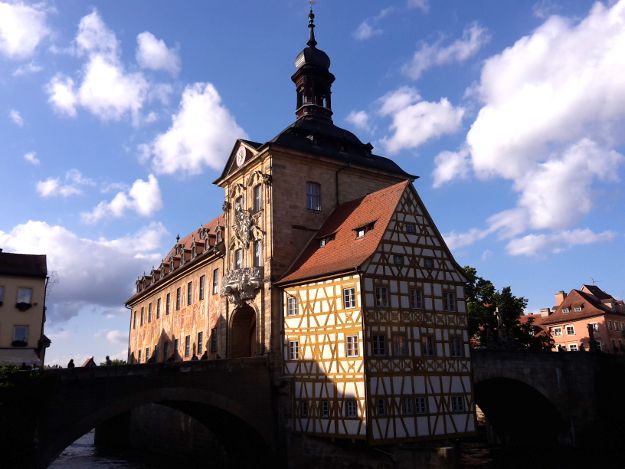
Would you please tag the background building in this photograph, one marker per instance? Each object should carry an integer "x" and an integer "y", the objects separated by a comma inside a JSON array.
[
  {"x": 23, "y": 281},
  {"x": 582, "y": 312},
  {"x": 326, "y": 261}
]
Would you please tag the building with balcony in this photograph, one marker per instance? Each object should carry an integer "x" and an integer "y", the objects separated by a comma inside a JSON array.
[
  {"x": 584, "y": 316},
  {"x": 326, "y": 261},
  {"x": 23, "y": 281}
]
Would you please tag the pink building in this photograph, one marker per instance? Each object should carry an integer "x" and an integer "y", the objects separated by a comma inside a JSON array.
[{"x": 583, "y": 312}]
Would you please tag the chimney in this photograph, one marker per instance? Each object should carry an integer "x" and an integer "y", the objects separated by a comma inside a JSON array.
[
  {"x": 544, "y": 312},
  {"x": 560, "y": 296}
]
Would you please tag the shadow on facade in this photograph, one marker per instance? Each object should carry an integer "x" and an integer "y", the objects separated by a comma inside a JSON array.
[
  {"x": 243, "y": 332},
  {"x": 518, "y": 414}
]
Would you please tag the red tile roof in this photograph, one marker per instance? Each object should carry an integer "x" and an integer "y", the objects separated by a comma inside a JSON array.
[
  {"x": 346, "y": 252},
  {"x": 187, "y": 241},
  {"x": 591, "y": 306}
]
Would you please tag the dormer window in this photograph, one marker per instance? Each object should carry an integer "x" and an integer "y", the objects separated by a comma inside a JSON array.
[
  {"x": 362, "y": 230},
  {"x": 565, "y": 310},
  {"x": 577, "y": 309},
  {"x": 325, "y": 240}
]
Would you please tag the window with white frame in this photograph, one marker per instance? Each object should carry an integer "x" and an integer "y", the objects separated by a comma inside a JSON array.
[
  {"x": 178, "y": 298},
  {"x": 324, "y": 408},
  {"x": 20, "y": 336},
  {"x": 291, "y": 308},
  {"x": 313, "y": 196},
  {"x": 351, "y": 408},
  {"x": 577, "y": 309},
  {"x": 420, "y": 405},
  {"x": 24, "y": 295},
  {"x": 351, "y": 346},
  {"x": 349, "y": 297},
  {"x": 258, "y": 197},
  {"x": 573, "y": 348},
  {"x": 215, "y": 281},
  {"x": 565, "y": 310},
  {"x": 187, "y": 346},
  {"x": 201, "y": 287},
  {"x": 570, "y": 330},
  {"x": 200, "y": 342},
  {"x": 457, "y": 404},
  {"x": 158, "y": 308},
  {"x": 449, "y": 301},
  {"x": 293, "y": 350},
  {"x": 594, "y": 327},
  {"x": 379, "y": 345},
  {"x": 381, "y": 296},
  {"x": 415, "y": 298},
  {"x": 557, "y": 331},
  {"x": 258, "y": 253}
]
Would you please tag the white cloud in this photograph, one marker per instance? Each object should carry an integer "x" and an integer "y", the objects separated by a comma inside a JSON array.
[
  {"x": 450, "y": 165},
  {"x": 22, "y": 28},
  {"x": 201, "y": 134},
  {"x": 457, "y": 240},
  {"x": 91, "y": 273},
  {"x": 359, "y": 119},
  {"x": 143, "y": 198},
  {"x": 117, "y": 337},
  {"x": 27, "y": 69},
  {"x": 419, "y": 4},
  {"x": 53, "y": 187},
  {"x": 153, "y": 54},
  {"x": 430, "y": 55},
  {"x": 366, "y": 31},
  {"x": 106, "y": 89},
  {"x": 16, "y": 117},
  {"x": 533, "y": 244},
  {"x": 414, "y": 121},
  {"x": 31, "y": 157}
]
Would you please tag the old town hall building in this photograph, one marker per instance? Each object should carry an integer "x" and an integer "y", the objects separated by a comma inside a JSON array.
[{"x": 326, "y": 261}]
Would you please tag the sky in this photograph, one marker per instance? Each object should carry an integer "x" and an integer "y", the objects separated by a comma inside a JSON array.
[{"x": 115, "y": 118}]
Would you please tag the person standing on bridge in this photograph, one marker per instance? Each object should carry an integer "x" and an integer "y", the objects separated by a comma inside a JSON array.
[{"x": 71, "y": 363}]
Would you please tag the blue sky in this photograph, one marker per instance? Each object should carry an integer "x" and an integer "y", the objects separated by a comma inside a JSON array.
[{"x": 116, "y": 117}]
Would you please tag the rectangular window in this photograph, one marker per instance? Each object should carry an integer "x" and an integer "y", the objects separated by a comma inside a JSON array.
[
  {"x": 379, "y": 345},
  {"x": 142, "y": 316},
  {"x": 200, "y": 342},
  {"x": 380, "y": 406},
  {"x": 201, "y": 288},
  {"x": 411, "y": 228},
  {"x": 351, "y": 346},
  {"x": 238, "y": 259},
  {"x": 428, "y": 263},
  {"x": 303, "y": 408},
  {"x": 557, "y": 331},
  {"x": 457, "y": 404},
  {"x": 258, "y": 253},
  {"x": 573, "y": 347},
  {"x": 407, "y": 406},
  {"x": 610, "y": 325},
  {"x": 293, "y": 350},
  {"x": 291, "y": 306},
  {"x": 187, "y": 346},
  {"x": 214, "y": 340},
  {"x": 167, "y": 303},
  {"x": 398, "y": 259},
  {"x": 400, "y": 345},
  {"x": 20, "y": 334},
  {"x": 351, "y": 408},
  {"x": 593, "y": 326},
  {"x": 1, "y": 294},
  {"x": 381, "y": 296},
  {"x": 427, "y": 345},
  {"x": 215, "y": 281},
  {"x": 178, "y": 295},
  {"x": 420, "y": 405},
  {"x": 189, "y": 293},
  {"x": 149, "y": 312},
  {"x": 449, "y": 301},
  {"x": 565, "y": 310},
  {"x": 324, "y": 409},
  {"x": 578, "y": 309},
  {"x": 134, "y": 319},
  {"x": 147, "y": 354},
  {"x": 349, "y": 298},
  {"x": 158, "y": 308},
  {"x": 415, "y": 298},
  {"x": 258, "y": 197},
  {"x": 570, "y": 330},
  {"x": 313, "y": 196},
  {"x": 456, "y": 346},
  {"x": 25, "y": 295}
]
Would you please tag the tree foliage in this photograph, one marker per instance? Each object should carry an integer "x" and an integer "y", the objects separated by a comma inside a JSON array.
[{"x": 494, "y": 317}]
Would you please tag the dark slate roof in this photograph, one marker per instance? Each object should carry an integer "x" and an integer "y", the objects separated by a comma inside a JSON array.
[
  {"x": 23, "y": 265},
  {"x": 597, "y": 292},
  {"x": 321, "y": 137}
]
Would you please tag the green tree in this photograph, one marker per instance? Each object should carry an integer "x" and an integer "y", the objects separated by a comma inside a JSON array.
[
  {"x": 114, "y": 362},
  {"x": 494, "y": 317}
]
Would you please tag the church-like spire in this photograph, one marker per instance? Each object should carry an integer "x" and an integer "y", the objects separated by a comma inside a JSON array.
[{"x": 313, "y": 80}]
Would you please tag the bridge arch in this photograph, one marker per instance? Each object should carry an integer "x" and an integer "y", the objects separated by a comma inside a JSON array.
[
  {"x": 222, "y": 415},
  {"x": 518, "y": 413}
]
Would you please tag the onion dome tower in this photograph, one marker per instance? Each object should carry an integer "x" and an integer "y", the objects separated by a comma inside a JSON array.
[{"x": 313, "y": 80}]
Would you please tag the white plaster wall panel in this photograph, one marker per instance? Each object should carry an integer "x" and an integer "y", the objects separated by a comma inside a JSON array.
[
  {"x": 422, "y": 426},
  {"x": 437, "y": 290}
]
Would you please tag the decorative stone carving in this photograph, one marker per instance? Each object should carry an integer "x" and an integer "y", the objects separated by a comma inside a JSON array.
[
  {"x": 242, "y": 284},
  {"x": 243, "y": 226}
]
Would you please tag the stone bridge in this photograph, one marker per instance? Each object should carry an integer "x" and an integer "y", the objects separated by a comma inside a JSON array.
[
  {"x": 569, "y": 398},
  {"x": 233, "y": 398}
]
